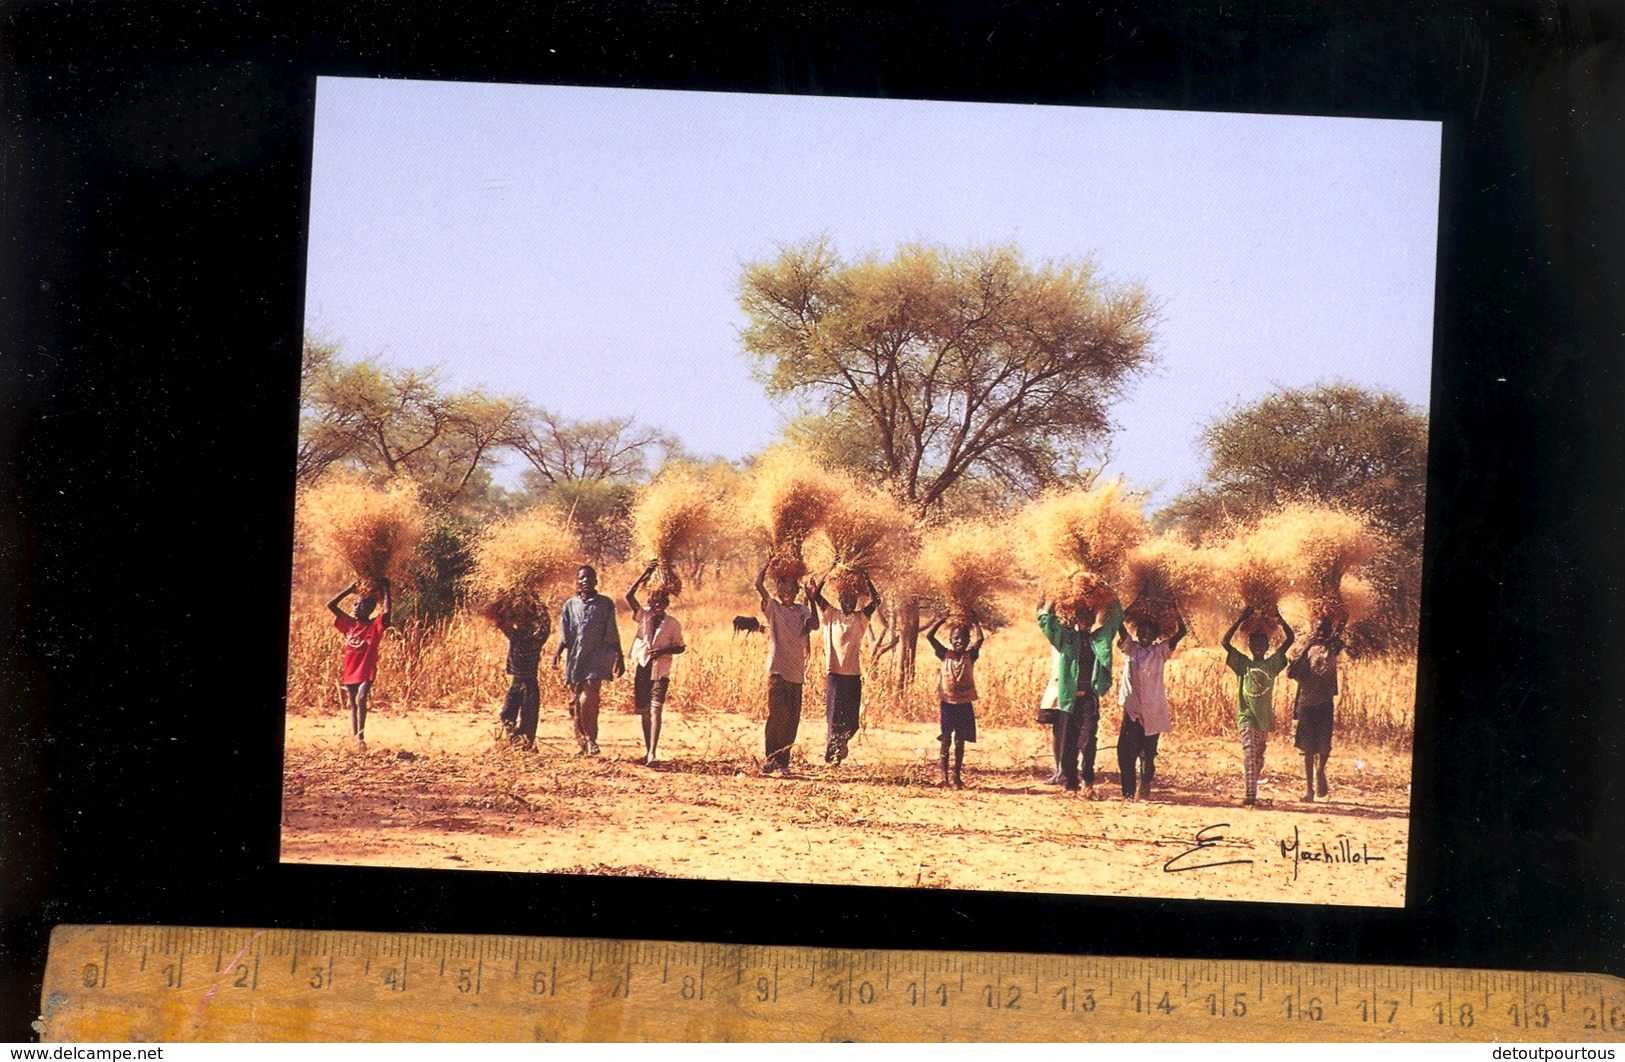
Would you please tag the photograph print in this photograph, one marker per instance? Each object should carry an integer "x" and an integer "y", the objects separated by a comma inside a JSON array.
[{"x": 862, "y": 492}]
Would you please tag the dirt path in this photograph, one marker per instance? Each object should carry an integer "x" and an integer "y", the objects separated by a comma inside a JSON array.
[{"x": 435, "y": 790}]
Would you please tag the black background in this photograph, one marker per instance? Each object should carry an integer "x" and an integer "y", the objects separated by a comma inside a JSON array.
[{"x": 154, "y": 199}]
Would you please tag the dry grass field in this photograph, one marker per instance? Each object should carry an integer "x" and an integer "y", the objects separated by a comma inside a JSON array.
[{"x": 435, "y": 788}]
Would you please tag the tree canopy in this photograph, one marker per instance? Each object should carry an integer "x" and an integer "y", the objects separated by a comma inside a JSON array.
[
  {"x": 943, "y": 364},
  {"x": 1335, "y": 444}
]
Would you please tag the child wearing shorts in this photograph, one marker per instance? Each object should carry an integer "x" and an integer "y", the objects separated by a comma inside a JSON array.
[
  {"x": 957, "y": 691},
  {"x": 1315, "y": 672}
]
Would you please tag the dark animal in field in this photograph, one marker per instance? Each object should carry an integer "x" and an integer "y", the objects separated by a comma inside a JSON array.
[{"x": 747, "y": 625}]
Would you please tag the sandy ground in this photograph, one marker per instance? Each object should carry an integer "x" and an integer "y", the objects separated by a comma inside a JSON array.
[{"x": 435, "y": 789}]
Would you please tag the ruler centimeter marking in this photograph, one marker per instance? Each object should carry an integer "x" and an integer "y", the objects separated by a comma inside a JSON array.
[{"x": 132, "y": 983}]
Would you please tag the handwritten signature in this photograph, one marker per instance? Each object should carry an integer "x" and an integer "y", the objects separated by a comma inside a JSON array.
[
  {"x": 1203, "y": 842},
  {"x": 1341, "y": 852}
]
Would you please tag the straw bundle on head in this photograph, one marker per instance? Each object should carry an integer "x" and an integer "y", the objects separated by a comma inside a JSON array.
[
  {"x": 518, "y": 560},
  {"x": 1256, "y": 569},
  {"x": 965, "y": 565},
  {"x": 374, "y": 531},
  {"x": 1066, "y": 532},
  {"x": 1326, "y": 544},
  {"x": 864, "y": 530},
  {"x": 516, "y": 610},
  {"x": 1080, "y": 592},
  {"x": 790, "y": 493},
  {"x": 1162, "y": 576},
  {"x": 674, "y": 513}
]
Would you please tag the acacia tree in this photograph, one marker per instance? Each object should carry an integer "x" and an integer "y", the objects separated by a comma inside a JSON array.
[
  {"x": 562, "y": 450},
  {"x": 586, "y": 469},
  {"x": 398, "y": 422},
  {"x": 948, "y": 362},
  {"x": 1336, "y": 444},
  {"x": 326, "y": 429},
  {"x": 941, "y": 366}
]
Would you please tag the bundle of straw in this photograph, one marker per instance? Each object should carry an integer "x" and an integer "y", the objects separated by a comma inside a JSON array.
[
  {"x": 518, "y": 560},
  {"x": 1162, "y": 576},
  {"x": 1359, "y": 600},
  {"x": 1326, "y": 545},
  {"x": 373, "y": 531},
  {"x": 964, "y": 565},
  {"x": 1078, "y": 541},
  {"x": 674, "y": 513},
  {"x": 865, "y": 531},
  {"x": 790, "y": 493},
  {"x": 1256, "y": 569}
]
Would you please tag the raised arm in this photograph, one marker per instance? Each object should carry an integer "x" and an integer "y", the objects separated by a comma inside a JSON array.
[
  {"x": 874, "y": 596},
  {"x": 1287, "y": 628},
  {"x": 931, "y": 635},
  {"x": 761, "y": 587},
  {"x": 815, "y": 593},
  {"x": 388, "y": 604},
  {"x": 1108, "y": 619},
  {"x": 976, "y": 625},
  {"x": 1050, "y": 624},
  {"x": 333, "y": 605},
  {"x": 1234, "y": 627},
  {"x": 632, "y": 591}
]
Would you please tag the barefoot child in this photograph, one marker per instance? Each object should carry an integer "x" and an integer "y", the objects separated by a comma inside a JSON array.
[
  {"x": 789, "y": 630},
  {"x": 659, "y": 637},
  {"x": 1255, "y": 710},
  {"x": 361, "y": 634},
  {"x": 527, "y": 629},
  {"x": 1144, "y": 698},
  {"x": 1315, "y": 671},
  {"x": 844, "y": 629},
  {"x": 957, "y": 691}
]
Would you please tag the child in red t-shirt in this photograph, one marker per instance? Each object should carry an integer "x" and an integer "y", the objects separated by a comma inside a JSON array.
[{"x": 362, "y": 634}]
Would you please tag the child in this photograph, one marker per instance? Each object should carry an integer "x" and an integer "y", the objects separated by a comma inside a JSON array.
[
  {"x": 1255, "y": 710},
  {"x": 1085, "y": 674},
  {"x": 588, "y": 633},
  {"x": 659, "y": 637},
  {"x": 789, "y": 630},
  {"x": 957, "y": 691},
  {"x": 844, "y": 629},
  {"x": 526, "y": 627},
  {"x": 1315, "y": 671},
  {"x": 1145, "y": 703},
  {"x": 362, "y": 634}
]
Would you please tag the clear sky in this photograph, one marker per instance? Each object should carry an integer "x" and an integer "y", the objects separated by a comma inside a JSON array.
[{"x": 581, "y": 247}]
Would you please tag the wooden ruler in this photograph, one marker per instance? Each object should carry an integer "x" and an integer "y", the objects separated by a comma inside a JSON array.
[{"x": 144, "y": 983}]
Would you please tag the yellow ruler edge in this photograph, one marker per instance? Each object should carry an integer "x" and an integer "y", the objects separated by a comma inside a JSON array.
[{"x": 155, "y": 983}]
